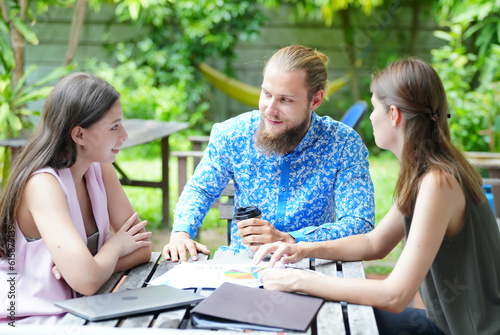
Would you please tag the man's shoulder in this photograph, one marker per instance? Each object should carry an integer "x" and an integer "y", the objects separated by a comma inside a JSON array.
[
  {"x": 328, "y": 126},
  {"x": 246, "y": 118},
  {"x": 244, "y": 123}
]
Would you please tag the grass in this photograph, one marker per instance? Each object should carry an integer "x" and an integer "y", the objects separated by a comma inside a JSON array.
[
  {"x": 384, "y": 170},
  {"x": 147, "y": 201}
]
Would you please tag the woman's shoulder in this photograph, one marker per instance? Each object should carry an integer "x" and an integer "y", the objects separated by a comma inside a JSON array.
[
  {"x": 439, "y": 179},
  {"x": 443, "y": 184},
  {"x": 43, "y": 178}
]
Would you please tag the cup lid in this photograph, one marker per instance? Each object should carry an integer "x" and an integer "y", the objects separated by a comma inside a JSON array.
[{"x": 247, "y": 212}]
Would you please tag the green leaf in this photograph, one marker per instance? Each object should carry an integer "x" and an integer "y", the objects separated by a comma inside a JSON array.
[
  {"x": 32, "y": 96},
  {"x": 4, "y": 28},
  {"x": 134, "y": 9},
  {"x": 15, "y": 124},
  {"x": 6, "y": 54},
  {"x": 27, "y": 33},
  {"x": 22, "y": 80},
  {"x": 56, "y": 74},
  {"x": 443, "y": 35}
]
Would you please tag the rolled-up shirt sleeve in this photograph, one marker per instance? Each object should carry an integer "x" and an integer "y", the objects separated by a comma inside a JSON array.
[{"x": 204, "y": 187}]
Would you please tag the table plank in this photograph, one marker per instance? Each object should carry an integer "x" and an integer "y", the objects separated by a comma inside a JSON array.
[
  {"x": 361, "y": 318},
  {"x": 171, "y": 318},
  {"x": 136, "y": 278},
  {"x": 330, "y": 319},
  {"x": 139, "y": 275},
  {"x": 136, "y": 272}
]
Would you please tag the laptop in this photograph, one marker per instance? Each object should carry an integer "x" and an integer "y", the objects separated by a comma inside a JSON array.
[{"x": 129, "y": 302}]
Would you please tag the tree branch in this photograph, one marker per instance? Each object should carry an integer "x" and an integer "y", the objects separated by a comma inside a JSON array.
[
  {"x": 76, "y": 28},
  {"x": 350, "y": 51},
  {"x": 5, "y": 15},
  {"x": 23, "y": 4}
]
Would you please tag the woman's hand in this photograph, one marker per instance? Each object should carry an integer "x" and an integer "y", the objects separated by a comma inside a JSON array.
[
  {"x": 130, "y": 236},
  {"x": 286, "y": 252},
  {"x": 57, "y": 274},
  {"x": 287, "y": 280}
]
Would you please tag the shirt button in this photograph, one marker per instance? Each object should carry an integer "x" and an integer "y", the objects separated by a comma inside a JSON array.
[
  {"x": 283, "y": 189},
  {"x": 286, "y": 159},
  {"x": 280, "y": 220}
]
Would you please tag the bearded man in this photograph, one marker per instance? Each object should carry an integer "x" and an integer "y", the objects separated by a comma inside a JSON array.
[{"x": 307, "y": 174}]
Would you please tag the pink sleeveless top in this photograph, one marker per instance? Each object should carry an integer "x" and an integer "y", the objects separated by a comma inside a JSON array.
[{"x": 35, "y": 289}]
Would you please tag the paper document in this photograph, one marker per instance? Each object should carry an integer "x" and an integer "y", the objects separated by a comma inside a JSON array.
[{"x": 209, "y": 274}]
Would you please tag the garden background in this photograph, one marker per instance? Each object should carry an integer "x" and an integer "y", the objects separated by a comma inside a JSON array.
[{"x": 151, "y": 50}]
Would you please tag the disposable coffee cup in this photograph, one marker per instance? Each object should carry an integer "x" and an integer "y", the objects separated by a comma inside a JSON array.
[{"x": 245, "y": 213}]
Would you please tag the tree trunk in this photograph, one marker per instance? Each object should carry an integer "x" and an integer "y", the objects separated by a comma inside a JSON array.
[
  {"x": 17, "y": 44},
  {"x": 76, "y": 28},
  {"x": 414, "y": 27},
  {"x": 16, "y": 40},
  {"x": 350, "y": 50}
]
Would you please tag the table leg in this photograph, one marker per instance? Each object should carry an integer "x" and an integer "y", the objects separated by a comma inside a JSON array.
[{"x": 165, "y": 153}]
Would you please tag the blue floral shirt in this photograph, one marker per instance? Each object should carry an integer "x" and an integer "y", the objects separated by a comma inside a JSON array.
[{"x": 320, "y": 191}]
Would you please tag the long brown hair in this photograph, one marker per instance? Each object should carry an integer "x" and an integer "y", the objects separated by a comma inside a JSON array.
[
  {"x": 79, "y": 99},
  {"x": 415, "y": 88}
]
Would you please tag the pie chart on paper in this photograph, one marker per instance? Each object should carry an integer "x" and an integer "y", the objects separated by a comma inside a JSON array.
[{"x": 245, "y": 273}]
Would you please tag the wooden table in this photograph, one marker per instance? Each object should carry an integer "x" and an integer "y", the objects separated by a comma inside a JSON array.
[
  {"x": 333, "y": 317},
  {"x": 139, "y": 132},
  {"x": 491, "y": 162}
]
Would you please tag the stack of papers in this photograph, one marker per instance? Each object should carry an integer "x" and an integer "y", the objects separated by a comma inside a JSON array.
[{"x": 210, "y": 275}]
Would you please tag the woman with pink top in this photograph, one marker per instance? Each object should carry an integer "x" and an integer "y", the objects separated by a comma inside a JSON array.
[{"x": 58, "y": 204}]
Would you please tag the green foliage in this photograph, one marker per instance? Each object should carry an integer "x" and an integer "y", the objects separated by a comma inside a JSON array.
[
  {"x": 179, "y": 35},
  {"x": 15, "y": 94},
  {"x": 469, "y": 66},
  {"x": 322, "y": 9}
]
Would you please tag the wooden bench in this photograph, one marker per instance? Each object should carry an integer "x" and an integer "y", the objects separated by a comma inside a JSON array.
[
  {"x": 198, "y": 145},
  {"x": 226, "y": 210}
]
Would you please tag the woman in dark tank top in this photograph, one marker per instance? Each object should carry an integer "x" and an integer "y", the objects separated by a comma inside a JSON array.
[{"x": 452, "y": 244}]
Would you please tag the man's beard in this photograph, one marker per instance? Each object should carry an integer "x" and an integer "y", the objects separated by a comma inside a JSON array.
[{"x": 279, "y": 144}]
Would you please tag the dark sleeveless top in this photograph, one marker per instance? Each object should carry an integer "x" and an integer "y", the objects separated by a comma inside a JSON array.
[{"x": 461, "y": 291}]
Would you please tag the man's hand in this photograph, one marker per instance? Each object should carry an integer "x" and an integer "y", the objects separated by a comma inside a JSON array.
[
  {"x": 255, "y": 232},
  {"x": 180, "y": 246}
]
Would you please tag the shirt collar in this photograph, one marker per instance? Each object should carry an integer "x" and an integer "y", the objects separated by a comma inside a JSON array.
[{"x": 310, "y": 136}]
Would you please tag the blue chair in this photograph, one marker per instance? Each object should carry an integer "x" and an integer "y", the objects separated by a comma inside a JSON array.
[
  {"x": 489, "y": 196},
  {"x": 355, "y": 114}
]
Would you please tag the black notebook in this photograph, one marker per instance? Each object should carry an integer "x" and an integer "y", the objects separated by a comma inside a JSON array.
[{"x": 238, "y": 307}]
